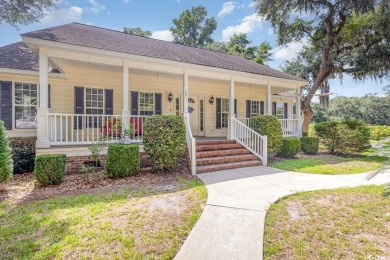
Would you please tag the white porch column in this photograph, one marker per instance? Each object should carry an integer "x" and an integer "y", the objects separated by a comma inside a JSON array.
[
  {"x": 298, "y": 112},
  {"x": 231, "y": 109},
  {"x": 185, "y": 94},
  {"x": 268, "y": 101},
  {"x": 125, "y": 108},
  {"x": 43, "y": 110}
]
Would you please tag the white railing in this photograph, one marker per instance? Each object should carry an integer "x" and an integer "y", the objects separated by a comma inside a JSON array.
[
  {"x": 250, "y": 139},
  {"x": 191, "y": 144},
  {"x": 289, "y": 126},
  {"x": 79, "y": 129}
]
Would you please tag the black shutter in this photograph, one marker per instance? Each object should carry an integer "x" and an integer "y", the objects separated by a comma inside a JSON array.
[
  {"x": 235, "y": 107},
  {"x": 248, "y": 109},
  {"x": 157, "y": 104},
  {"x": 285, "y": 110},
  {"x": 78, "y": 106},
  {"x": 261, "y": 107},
  {"x": 6, "y": 103},
  {"x": 218, "y": 115},
  {"x": 109, "y": 93},
  {"x": 134, "y": 103},
  {"x": 274, "y": 108},
  {"x": 49, "y": 94}
]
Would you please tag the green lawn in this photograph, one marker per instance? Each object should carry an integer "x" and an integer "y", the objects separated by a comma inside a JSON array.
[
  {"x": 140, "y": 224},
  {"x": 349, "y": 223},
  {"x": 331, "y": 164}
]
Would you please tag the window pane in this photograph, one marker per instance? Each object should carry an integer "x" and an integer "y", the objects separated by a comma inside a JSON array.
[
  {"x": 146, "y": 103},
  {"x": 25, "y": 117},
  {"x": 26, "y": 100}
]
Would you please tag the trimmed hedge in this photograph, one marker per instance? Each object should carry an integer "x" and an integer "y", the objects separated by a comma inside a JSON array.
[
  {"x": 24, "y": 160},
  {"x": 50, "y": 169},
  {"x": 5, "y": 156},
  {"x": 290, "y": 147},
  {"x": 309, "y": 145},
  {"x": 23, "y": 153},
  {"x": 344, "y": 136},
  {"x": 23, "y": 142},
  {"x": 271, "y": 127},
  {"x": 165, "y": 140},
  {"x": 122, "y": 160}
]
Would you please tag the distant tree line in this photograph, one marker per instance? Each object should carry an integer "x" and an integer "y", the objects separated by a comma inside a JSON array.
[{"x": 372, "y": 109}]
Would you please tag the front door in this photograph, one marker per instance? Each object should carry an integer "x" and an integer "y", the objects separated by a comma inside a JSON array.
[{"x": 196, "y": 108}]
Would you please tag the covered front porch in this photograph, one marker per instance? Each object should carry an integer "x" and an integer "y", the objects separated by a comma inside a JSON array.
[{"x": 102, "y": 99}]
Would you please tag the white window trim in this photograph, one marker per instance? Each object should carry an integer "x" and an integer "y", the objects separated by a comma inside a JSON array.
[
  {"x": 259, "y": 114},
  {"x": 13, "y": 105},
  {"x": 154, "y": 102}
]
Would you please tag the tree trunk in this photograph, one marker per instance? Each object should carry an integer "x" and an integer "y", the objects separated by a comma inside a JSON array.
[{"x": 307, "y": 113}]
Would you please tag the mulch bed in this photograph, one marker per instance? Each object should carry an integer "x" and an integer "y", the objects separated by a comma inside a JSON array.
[{"x": 23, "y": 187}]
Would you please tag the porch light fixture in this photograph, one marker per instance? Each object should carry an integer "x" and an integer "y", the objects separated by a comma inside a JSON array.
[
  {"x": 211, "y": 100},
  {"x": 170, "y": 97}
]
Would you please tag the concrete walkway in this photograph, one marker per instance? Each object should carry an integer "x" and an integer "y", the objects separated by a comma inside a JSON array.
[{"x": 232, "y": 223}]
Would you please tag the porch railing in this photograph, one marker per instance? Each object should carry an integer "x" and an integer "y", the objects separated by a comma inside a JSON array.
[
  {"x": 191, "y": 144},
  {"x": 289, "y": 126},
  {"x": 250, "y": 139},
  {"x": 74, "y": 129}
]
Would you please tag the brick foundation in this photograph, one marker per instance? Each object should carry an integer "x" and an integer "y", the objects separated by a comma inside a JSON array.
[{"x": 74, "y": 163}]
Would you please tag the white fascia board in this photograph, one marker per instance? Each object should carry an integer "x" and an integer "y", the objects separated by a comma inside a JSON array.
[
  {"x": 30, "y": 73},
  {"x": 192, "y": 68}
]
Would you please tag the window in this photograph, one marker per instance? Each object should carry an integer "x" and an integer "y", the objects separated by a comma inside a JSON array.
[
  {"x": 201, "y": 114},
  {"x": 224, "y": 112},
  {"x": 255, "y": 108},
  {"x": 146, "y": 104},
  {"x": 177, "y": 106},
  {"x": 94, "y": 105},
  {"x": 26, "y": 101},
  {"x": 280, "y": 110},
  {"x": 94, "y": 101}
]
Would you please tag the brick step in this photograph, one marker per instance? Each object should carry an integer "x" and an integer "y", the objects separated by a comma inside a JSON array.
[
  {"x": 227, "y": 166},
  {"x": 205, "y": 154},
  {"x": 215, "y": 142},
  {"x": 213, "y": 147},
  {"x": 225, "y": 159}
]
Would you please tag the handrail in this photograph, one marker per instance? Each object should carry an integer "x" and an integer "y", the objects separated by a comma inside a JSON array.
[
  {"x": 191, "y": 145},
  {"x": 250, "y": 139}
]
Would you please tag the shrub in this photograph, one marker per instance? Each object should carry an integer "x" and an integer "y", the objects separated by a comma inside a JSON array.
[
  {"x": 24, "y": 160},
  {"x": 343, "y": 136},
  {"x": 271, "y": 127},
  {"x": 50, "y": 168},
  {"x": 379, "y": 132},
  {"x": 5, "y": 155},
  {"x": 290, "y": 147},
  {"x": 23, "y": 142},
  {"x": 309, "y": 145},
  {"x": 23, "y": 153},
  {"x": 122, "y": 160},
  {"x": 165, "y": 140}
]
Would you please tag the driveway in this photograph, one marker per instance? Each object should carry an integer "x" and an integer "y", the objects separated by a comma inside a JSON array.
[{"x": 232, "y": 223}]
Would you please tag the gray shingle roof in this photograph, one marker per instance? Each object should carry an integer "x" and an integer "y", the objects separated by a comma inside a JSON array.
[
  {"x": 101, "y": 38},
  {"x": 18, "y": 56}
]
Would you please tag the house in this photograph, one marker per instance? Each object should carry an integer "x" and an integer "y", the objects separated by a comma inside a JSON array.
[{"x": 74, "y": 84}]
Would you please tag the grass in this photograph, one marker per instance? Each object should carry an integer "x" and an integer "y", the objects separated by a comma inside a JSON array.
[
  {"x": 348, "y": 223},
  {"x": 331, "y": 164},
  {"x": 137, "y": 224}
]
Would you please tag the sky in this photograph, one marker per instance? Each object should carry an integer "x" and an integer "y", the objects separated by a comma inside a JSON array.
[{"x": 156, "y": 15}]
